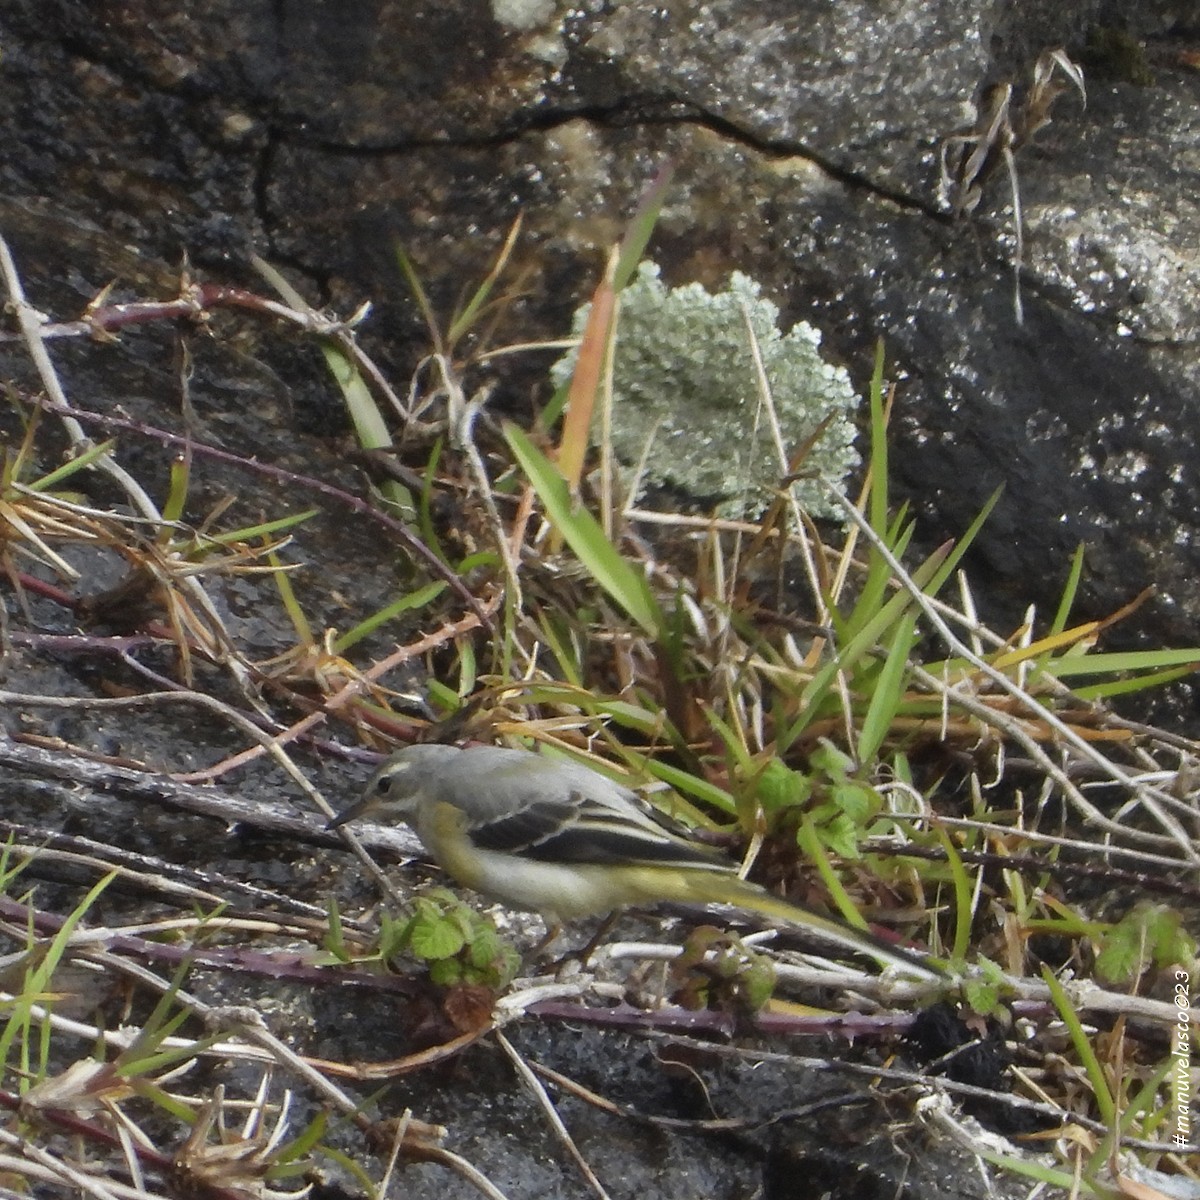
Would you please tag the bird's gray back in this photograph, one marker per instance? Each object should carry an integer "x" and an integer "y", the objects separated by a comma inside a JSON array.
[{"x": 497, "y": 781}]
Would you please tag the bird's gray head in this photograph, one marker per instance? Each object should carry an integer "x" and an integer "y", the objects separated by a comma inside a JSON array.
[{"x": 394, "y": 791}]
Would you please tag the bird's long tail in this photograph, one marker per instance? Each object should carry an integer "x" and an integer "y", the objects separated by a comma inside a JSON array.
[{"x": 729, "y": 889}]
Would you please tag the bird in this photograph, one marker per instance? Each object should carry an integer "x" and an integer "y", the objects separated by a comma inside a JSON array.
[{"x": 557, "y": 838}]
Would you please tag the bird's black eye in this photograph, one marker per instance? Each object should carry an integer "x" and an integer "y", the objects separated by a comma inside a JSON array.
[{"x": 384, "y": 785}]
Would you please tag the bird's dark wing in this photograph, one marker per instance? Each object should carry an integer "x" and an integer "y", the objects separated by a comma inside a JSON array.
[
  {"x": 581, "y": 830},
  {"x": 517, "y": 832}
]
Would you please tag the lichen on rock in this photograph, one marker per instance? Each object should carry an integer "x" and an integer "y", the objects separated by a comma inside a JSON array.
[{"x": 684, "y": 373}]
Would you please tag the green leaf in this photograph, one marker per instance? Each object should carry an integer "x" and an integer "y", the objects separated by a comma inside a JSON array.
[
  {"x": 779, "y": 787},
  {"x": 446, "y": 972},
  {"x": 983, "y": 997},
  {"x": 758, "y": 982},
  {"x": 1123, "y": 957},
  {"x": 1151, "y": 933},
  {"x": 432, "y": 935},
  {"x": 842, "y": 836},
  {"x": 830, "y": 760},
  {"x": 484, "y": 947},
  {"x": 983, "y": 991},
  {"x": 855, "y": 800}
]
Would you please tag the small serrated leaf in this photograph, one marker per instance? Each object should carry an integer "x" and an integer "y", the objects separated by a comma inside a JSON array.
[
  {"x": 484, "y": 947},
  {"x": 779, "y": 788},
  {"x": 446, "y": 972},
  {"x": 841, "y": 836},
  {"x": 856, "y": 801},
  {"x": 982, "y": 996},
  {"x": 759, "y": 982},
  {"x": 433, "y": 937}
]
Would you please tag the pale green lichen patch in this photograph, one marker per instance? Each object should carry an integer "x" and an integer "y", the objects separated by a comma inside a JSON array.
[
  {"x": 684, "y": 373},
  {"x": 523, "y": 15}
]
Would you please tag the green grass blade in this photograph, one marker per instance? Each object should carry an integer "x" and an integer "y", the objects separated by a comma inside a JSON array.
[
  {"x": 583, "y": 533},
  {"x": 1118, "y": 661},
  {"x": 961, "y": 545},
  {"x": 1070, "y": 590},
  {"x": 641, "y": 227},
  {"x": 413, "y": 280},
  {"x": 561, "y": 646},
  {"x": 176, "y": 502},
  {"x": 810, "y": 843},
  {"x": 874, "y": 589},
  {"x": 417, "y": 599},
  {"x": 1083, "y": 1048},
  {"x": 549, "y": 415},
  {"x": 37, "y": 978},
  {"x": 425, "y": 505},
  {"x": 463, "y": 322},
  {"x": 863, "y": 643},
  {"x": 689, "y": 785},
  {"x": 888, "y": 690},
  {"x": 264, "y": 529},
  {"x": 291, "y": 604},
  {"x": 877, "y": 502},
  {"x": 303, "y": 1142},
  {"x": 369, "y": 426},
  {"x": 962, "y": 897},
  {"x": 68, "y": 469},
  {"x": 1125, "y": 687},
  {"x": 1143, "y": 1115}
]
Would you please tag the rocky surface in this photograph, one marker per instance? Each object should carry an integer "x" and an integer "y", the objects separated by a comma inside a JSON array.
[{"x": 806, "y": 153}]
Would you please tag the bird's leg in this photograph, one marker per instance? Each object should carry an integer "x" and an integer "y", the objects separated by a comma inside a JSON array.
[
  {"x": 602, "y": 931},
  {"x": 581, "y": 956},
  {"x": 553, "y": 929}
]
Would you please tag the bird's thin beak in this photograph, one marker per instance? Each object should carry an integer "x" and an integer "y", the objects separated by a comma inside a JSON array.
[{"x": 360, "y": 807}]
